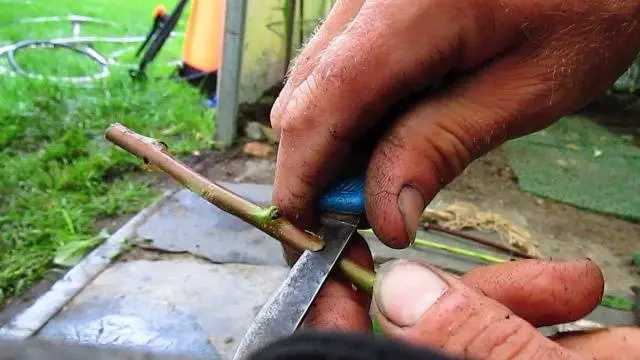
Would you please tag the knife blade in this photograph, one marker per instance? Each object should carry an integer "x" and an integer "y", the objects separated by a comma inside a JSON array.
[{"x": 283, "y": 313}]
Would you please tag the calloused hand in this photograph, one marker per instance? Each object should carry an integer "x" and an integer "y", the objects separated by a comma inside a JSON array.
[{"x": 515, "y": 65}]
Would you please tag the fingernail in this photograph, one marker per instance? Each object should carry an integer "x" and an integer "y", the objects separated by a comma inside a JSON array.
[
  {"x": 405, "y": 290},
  {"x": 411, "y": 205}
]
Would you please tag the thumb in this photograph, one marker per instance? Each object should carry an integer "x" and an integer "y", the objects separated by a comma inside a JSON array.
[{"x": 427, "y": 307}]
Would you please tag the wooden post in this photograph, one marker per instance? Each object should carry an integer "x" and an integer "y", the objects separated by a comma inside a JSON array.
[{"x": 229, "y": 75}]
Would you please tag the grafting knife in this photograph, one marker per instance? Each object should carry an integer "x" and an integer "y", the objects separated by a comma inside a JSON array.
[{"x": 282, "y": 314}]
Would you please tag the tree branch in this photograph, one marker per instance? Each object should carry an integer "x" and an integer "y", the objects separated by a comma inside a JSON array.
[{"x": 154, "y": 153}]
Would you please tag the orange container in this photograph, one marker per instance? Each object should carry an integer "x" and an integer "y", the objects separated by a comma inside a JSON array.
[{"x": 202, "y": 50}]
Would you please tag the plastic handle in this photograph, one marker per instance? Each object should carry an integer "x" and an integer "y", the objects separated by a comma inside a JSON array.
[{"x": 345, "y": 197}]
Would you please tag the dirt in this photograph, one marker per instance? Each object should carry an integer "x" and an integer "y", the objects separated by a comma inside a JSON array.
[{"x": 562, "y": 231}]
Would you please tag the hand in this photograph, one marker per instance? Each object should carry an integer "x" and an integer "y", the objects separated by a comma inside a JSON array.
[
  {"x": 490, "y": 313},
  {"x": 516, "y": 66}
]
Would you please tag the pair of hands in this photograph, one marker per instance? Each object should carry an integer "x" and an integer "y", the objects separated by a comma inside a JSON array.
[{"x": 512, "y": 67}]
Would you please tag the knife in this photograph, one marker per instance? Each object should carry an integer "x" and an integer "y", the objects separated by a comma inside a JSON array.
[{"x": 342, "y": 211}]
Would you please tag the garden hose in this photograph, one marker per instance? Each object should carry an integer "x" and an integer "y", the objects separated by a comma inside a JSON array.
[
  {"x": 36, "y": 44},
  {"x": 77, "y": 43}
]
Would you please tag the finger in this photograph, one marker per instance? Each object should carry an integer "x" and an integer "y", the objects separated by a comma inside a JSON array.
[
  {"x": 338, "y": 305},
  {"x": 543, "y": 293},
  {"x": 340, "y": 15},
  {"x": 364, "y": 70},
  {"x": 427, "y": 307},
  {"x": 616, "y": 343}
]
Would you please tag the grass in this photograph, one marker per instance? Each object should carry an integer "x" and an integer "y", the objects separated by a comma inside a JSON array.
[{"x": 58, "y": 173}]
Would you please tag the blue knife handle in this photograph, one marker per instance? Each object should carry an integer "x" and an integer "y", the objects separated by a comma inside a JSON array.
[{"x": 345, "y": 196}]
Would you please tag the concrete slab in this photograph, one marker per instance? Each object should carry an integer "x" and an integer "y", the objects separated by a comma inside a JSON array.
[
  {"x": 612, "y": 317},
  {"x": 181, "y": 306},
  {"x": 187, "y": 223}
]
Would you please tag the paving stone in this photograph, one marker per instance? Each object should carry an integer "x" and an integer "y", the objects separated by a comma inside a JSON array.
[
  {"x": 176, "y": 306},
  {"x": 187, "y": 223}
]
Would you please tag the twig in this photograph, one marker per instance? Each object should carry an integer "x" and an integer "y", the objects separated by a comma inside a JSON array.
[
  {"x": 360, "y": 276},
  {"x": 468, "y": 253},
  {"x": 424, "y": 243},
  {"x": 289, "y": 8},
  {"x": 154, "y": 153},
  {"x": 491, "y": 243}
]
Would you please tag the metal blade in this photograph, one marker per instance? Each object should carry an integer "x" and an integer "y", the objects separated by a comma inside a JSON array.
[{"x": 283, "y": 312}]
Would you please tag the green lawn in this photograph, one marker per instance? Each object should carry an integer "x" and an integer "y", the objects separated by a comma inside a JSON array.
[{"x": 58, "y": 173}]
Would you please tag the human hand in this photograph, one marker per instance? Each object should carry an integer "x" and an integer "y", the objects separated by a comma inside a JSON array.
[
  {"x": 516, "y": 66},
  {"x": 489, "y": 313}
]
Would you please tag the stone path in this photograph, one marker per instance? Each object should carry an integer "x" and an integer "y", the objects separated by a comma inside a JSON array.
[{"x": 192, "y": 285}]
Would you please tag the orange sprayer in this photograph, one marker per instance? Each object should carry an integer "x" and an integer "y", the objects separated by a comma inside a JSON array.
[{"x": 202, "y": 51}]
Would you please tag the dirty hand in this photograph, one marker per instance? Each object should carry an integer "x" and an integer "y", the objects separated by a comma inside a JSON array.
[
  {"x": 514, "y": 67},
  {"x": 489, "y": 313}
]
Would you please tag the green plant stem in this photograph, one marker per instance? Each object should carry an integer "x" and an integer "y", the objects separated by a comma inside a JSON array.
[
  {"x": 458, "y": 251},
  {"x": 301, "y": 23},
  {"x": 424, "y": 243},
  {"x": 480, "y": 240},
  {"x": 268, "y": 220},
  {"x": 363, "y": 278},
  {"x": 289, "y": 14}
]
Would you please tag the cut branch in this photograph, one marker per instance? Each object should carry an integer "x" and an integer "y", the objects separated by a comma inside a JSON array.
[
  {"x": 154, "y": 153},
  {"x": 363, "y": 278}
]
